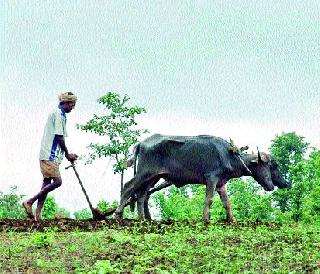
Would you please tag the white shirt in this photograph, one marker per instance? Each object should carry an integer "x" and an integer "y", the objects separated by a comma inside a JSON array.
[{"x": 56, "y": 125}]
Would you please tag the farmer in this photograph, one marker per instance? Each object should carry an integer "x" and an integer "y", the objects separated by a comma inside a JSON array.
[{"x": 52, "y": 150}]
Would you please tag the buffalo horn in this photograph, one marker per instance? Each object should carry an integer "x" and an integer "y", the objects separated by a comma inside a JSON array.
[{"x": 259, "y": 156}]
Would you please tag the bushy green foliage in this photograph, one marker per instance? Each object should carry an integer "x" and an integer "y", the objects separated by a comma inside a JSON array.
[
  {"x": 305, "y": 176},
  {"x": 310, "y": 204},
  {"x": 43, "y": 239},
  {"x": 83, "y": 214},
  {"x": 51, "y": 209},
  {"x": 289, "y": 150},
  {"x": 186, "y": 204},
  {"x": 103, "y": 205},
  {"x": 249, "y": 201},
  {"x": 10, "y": 205},
  {"x": 178, "y": 206}
]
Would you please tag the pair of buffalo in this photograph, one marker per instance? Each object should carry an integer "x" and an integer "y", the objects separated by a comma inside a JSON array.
[{"x": 203, "y": 159}]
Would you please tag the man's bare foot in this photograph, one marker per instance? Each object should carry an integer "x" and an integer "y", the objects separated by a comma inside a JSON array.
[{"x": 28, "y": 209}]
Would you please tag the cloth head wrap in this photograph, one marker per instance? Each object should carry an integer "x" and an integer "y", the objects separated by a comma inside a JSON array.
[{"x": 66, "y": 97}]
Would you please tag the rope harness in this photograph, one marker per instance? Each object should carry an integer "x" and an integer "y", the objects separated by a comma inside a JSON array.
[{"x": 238, "y": 152}]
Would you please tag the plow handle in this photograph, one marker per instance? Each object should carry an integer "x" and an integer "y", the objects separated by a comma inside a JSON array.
[{"x": 80, "y": 182}]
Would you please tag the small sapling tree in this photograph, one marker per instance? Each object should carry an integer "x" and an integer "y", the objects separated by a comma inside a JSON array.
[{"x": 119, "y": 128}]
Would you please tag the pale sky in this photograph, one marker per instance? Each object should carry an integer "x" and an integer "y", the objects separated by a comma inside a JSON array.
[{"x": 245, "y": 70}]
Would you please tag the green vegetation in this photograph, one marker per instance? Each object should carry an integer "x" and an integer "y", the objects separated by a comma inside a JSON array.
[
  {"x": 10, "y": 205},
  {"x": 83, "y": 214},
  {"x": 177, "y": 248},
  {"x": 51, "y": 209}
]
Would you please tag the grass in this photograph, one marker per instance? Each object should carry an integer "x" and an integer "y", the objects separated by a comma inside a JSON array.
[{"x": 178, "y": 248}]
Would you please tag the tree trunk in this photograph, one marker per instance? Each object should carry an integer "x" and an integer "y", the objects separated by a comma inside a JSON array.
[{"x": 121, "y": 190}]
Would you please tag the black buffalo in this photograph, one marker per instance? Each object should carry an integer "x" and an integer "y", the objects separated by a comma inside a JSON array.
[{"x": 203, "y": 159}]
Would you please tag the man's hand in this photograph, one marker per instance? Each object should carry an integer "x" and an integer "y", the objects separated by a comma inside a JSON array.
[{"x": 71, "y": 157}]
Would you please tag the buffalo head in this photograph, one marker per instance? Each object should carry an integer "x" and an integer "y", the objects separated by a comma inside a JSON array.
[
  {"x": 260, "y": 171},
  {"x": 265, "y": 171},
  {"x": 275, "y": 174}
]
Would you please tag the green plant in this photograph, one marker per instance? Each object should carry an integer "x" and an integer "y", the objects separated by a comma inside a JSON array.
[
  {"x": 311, "y": 205},
  {"x": 83, "y": 214},
  {"x": 43, "y": 239},
  {"x": 118, "y": 127},
  {"x": 10, "y": 205},
  {"x": 104, "y": 267},
  {"x": 51, "y": 209},
  {"x": 249, "y": 201},
  {"x": 289, "y": 150},
  {"x": 186, "y": 204}
]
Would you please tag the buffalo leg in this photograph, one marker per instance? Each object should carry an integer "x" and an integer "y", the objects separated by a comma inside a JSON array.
[
  {"x": 129, "y": 189},
  {"x": 226, "y": 203},
  {"x": 140, "y": 203},
  {"x": 142, "y": 198},
  {"x": 127, "y": 192},
  {"x": 210, "y": 188},
  {"x": 146, "y": 207}
]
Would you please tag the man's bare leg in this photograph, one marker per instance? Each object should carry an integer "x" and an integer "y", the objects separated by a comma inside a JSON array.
[
  {"x": 57, "y": 182},
  {"x": 41, "y": 200}
]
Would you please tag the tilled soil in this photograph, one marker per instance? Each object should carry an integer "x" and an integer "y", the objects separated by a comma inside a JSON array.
[{"x": 65, "y": 224}]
